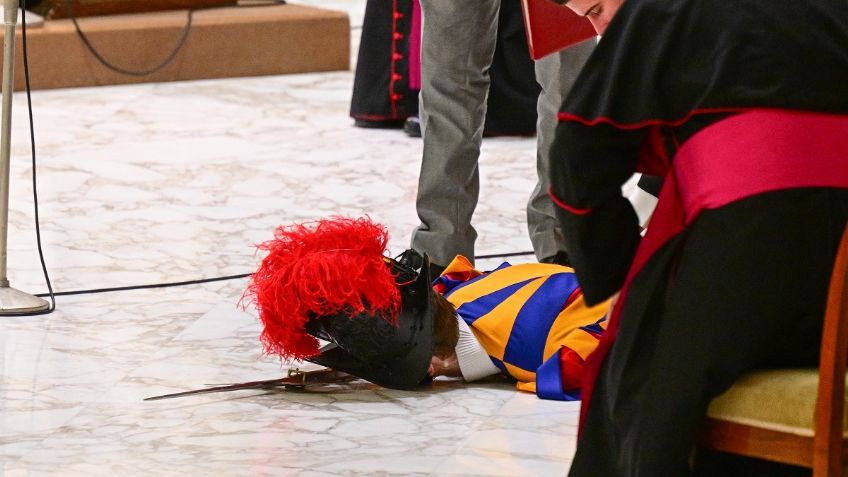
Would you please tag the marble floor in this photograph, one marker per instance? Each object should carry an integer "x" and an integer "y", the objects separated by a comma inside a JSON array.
[{"x": 169, "y": 182}]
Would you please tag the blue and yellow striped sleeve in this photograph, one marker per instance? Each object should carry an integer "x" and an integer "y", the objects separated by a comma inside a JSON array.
[{"x": 524, "y": 316}]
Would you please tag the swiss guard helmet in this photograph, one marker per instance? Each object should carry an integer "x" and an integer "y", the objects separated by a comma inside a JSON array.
[{"x": 330, "y": 280}]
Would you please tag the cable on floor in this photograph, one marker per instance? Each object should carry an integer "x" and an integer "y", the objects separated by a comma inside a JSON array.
[{"x": 217, "y": 279}]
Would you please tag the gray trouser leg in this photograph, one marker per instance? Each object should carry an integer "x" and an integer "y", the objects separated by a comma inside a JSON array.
[
  {"x": 458, "y": 43},
  {"x": 555, "y": 74}
]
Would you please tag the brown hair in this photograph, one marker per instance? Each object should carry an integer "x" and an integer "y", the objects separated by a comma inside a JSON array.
[{"x": 446, "y": 332}]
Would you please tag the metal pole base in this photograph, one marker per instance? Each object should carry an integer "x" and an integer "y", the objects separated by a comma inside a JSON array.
[
  {"x": 16, "y": 301},
  {"x": 33, "y": 19}
]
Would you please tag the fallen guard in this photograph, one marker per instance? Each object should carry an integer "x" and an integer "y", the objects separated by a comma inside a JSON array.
[{"x": 330, "y": 280}]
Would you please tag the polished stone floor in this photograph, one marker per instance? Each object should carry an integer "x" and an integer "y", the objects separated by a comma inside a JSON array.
[{"x": 158, "y": 183}]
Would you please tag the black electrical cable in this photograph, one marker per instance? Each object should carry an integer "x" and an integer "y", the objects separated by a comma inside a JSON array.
[
  {"x": 218, "y": 279},
  {"x": 180, "y": 43},
  {"x": 170, "y": 57},
  {"x": 502, "y": 255},
  {"x": 50, "y": 293},
  {"x": 149, "y": 286}
]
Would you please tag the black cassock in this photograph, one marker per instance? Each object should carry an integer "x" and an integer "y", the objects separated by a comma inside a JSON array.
[
  {"x": 385, "y": 89},
  {"x": 741, "y": 281}
]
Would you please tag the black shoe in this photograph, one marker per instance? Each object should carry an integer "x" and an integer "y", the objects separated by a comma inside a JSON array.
[
  {"x": 379, "y": 124},
  {"x": 561, "y": 258},
  {"x": 412, "y": 126},
  {"x": 410, "y": 259},
  {"x": 436, "y": 271}
]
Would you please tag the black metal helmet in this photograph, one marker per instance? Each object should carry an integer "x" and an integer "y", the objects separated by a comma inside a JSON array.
[
  {"x": 368, "y": 346},
  {"x": 331, "y": 280}
]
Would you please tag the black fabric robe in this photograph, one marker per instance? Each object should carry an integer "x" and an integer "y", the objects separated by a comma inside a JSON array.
[
  {"x": 376, "y": 97},
  {"x": 512, "y": 94},
  {"x": 742, "y": 286}
]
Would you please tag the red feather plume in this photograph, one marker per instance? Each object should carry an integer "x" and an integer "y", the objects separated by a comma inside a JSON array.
[{"x": 320, "y": 268}]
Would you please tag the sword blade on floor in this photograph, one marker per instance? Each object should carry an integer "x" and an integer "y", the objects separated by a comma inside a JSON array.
[
  {"x": 11, "y": 301},
  {"x": 296, "y": 380}
]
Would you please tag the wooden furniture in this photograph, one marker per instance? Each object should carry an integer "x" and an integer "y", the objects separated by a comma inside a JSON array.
[
  {"x": 222, "y": 42},
  {"x": 51, "y": 9},
  {"x": 793, "y": 416}
]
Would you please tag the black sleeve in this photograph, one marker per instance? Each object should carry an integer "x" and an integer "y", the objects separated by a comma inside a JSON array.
[{"x": 588, "y": 167}]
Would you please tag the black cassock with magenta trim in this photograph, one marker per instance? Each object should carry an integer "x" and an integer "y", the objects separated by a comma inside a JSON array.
[{"x": 743, "y": 108}]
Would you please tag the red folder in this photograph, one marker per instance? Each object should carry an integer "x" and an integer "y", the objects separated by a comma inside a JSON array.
[{"x": 551, "y": 27}]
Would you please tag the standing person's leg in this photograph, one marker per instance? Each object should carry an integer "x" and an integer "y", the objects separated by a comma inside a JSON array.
[
  {"x": 556, "y": 74},
  {"x": 458, "y": 43}
]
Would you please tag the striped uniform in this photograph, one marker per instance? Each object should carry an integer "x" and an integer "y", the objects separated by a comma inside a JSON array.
[{"x": 530, "y": 319}]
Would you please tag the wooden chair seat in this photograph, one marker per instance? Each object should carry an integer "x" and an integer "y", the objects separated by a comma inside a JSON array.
[
  {"x": 793, "y": 416},
  {"x": 781, "y": 400}
]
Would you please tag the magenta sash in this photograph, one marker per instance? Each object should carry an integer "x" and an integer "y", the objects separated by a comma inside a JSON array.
[{"x": 414, "y": 74}]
